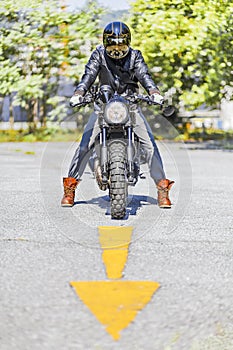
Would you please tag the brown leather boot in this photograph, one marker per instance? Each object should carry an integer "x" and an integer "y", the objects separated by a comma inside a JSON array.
[
  {"x": 70, "y": 185},
  {"x": 163, "y": 187}
]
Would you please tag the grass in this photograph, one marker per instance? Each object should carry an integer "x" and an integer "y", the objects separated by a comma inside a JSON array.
[
  {"x": 223, "y": 138},
  {"x": 56, "y": 134},
  {"x": 40, "y": 135}
]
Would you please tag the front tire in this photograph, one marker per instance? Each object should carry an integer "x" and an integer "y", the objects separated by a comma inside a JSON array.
[{"x": 118, "y": 187}]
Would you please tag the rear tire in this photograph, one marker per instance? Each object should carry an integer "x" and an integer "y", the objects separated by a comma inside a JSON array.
[{"x": 118, "y": 187}]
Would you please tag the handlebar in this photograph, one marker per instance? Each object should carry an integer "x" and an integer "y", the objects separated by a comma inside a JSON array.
[
  {"x": 88, "y": 99},
  {"x": 168, "y": 111},
  {"x": 144, "y": 98}
]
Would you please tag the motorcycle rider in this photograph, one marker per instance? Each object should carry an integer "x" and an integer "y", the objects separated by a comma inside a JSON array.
[{"x": 115, "y": 62}]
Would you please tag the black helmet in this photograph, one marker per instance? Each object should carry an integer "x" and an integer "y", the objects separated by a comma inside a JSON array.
[{"x": 116, "y": 39}]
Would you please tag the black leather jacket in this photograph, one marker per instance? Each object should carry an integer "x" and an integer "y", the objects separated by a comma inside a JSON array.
[{"x": 133, "y": 69}]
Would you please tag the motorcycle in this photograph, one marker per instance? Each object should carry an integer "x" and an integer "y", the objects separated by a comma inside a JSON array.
[{"x": 117, "y": 152}]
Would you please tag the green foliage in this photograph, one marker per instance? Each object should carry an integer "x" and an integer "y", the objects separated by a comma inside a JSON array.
[
  {"x": 59, "y": 107},
  {"x": 9, "y": 75},
  {"x": 187, "y": 45},
  {"x": 29, "y": 89},
  {"x": 42, "y": 47},
  {"x": 206, "y": 134},
  {"x": 42, "y": 134}
]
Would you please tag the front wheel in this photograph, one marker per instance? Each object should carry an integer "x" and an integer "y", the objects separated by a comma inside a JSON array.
[{"x": 118, "y": 187}]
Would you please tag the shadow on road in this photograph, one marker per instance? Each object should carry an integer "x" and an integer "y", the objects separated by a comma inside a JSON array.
[{"x": 134, "y": 203}]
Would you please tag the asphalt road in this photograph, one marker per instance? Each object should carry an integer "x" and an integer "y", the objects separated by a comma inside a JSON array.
[{"x": 187, "y": 249}]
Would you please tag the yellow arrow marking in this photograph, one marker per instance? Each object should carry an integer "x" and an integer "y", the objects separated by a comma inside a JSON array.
[
  {"x": 115, "y": 241},
  {"x": 115, "y": 303}
]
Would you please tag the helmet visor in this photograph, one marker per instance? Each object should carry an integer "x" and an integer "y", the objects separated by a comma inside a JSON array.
[{"x": 117, "y": 51}]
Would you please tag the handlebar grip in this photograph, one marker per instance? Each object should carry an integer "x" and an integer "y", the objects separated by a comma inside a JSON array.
[{"x": 84, "y": 103}]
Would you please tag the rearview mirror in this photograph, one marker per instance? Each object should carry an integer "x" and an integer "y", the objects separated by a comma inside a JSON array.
[{"x": 169, "y": 111}]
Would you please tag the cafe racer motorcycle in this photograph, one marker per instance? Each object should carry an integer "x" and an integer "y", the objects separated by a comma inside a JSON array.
[{"x": 117, "y": 154}]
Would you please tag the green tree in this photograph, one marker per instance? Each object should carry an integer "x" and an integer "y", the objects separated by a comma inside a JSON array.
[
  {"x": 44, "y": 46},
  {"x": 187, "y": 45}
]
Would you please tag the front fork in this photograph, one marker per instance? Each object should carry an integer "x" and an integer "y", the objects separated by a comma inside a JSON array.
[
  {"x": 130, "y": 154},
  {"x": 104, "y": 155}
]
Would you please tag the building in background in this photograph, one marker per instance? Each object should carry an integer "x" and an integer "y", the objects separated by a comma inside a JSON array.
[{"x": 226, "y": 115}]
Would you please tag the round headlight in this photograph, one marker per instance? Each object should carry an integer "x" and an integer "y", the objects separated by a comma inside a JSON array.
[{"x": 116, "y": 113}]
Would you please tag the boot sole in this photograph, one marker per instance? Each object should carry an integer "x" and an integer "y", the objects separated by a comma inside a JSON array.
[
  {"x": 165, "y": 206},
  {"x": 67, "y": 205}
]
